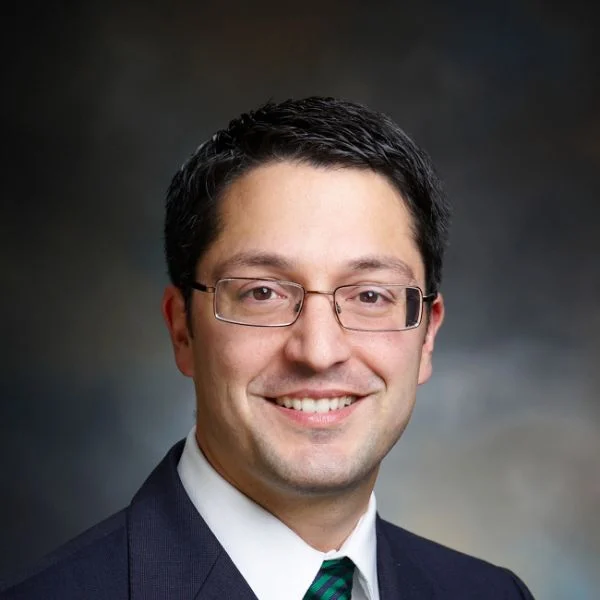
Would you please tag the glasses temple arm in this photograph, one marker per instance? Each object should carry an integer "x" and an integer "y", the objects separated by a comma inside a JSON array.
[{"x": 201, "y": 287}]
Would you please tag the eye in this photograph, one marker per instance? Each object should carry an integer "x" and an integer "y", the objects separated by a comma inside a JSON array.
[
  {"x": 262, "y": 293},
  {"x": 377, "y": 296},
  {"x": 259, "y": 292},
  {"x": 370, "y": 297}
]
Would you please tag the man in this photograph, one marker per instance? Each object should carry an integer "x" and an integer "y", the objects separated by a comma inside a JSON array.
[{"x": 304, "y": 245}]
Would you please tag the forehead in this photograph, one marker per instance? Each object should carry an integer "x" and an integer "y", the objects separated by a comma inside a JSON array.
[{"x": 323, "y": 220}]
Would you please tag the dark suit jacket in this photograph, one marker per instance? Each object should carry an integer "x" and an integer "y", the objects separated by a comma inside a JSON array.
[{"x": 159, "y": 547}]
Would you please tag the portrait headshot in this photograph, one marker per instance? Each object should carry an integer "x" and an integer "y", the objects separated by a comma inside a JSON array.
[
  {"x": 305, "y": 245},
  {"x": 300, "y": 302}
]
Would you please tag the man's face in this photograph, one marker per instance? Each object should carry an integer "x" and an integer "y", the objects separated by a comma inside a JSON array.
[{"x": 320, "y": 227}]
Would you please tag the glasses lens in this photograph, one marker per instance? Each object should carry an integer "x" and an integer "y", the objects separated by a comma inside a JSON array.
[
  {"x": 414, "y": 306},
  {"x": 373, "y": 307},
  {"x": 260, "y": 302}
]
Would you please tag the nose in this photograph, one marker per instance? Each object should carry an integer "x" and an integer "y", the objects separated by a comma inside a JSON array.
[{"x": 317, "y": 340}]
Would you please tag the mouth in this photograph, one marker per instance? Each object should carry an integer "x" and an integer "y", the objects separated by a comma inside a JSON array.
[{"x": 315, "y": 405}]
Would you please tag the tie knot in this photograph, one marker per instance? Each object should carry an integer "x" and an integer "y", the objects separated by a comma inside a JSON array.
[{"x": 333, "y": 581}]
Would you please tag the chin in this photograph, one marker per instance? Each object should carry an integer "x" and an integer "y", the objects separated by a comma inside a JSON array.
[{"x": 324, "y": 478}]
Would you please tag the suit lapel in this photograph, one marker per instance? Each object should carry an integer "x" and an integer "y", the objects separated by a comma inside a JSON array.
[
  {"x": 172, "y": 552},
  {"x": 224, "y": 581},
  {"x": 399, "y": 576}
]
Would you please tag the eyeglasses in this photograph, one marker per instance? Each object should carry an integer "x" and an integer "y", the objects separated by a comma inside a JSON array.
[{"x": 274, "y": 303}]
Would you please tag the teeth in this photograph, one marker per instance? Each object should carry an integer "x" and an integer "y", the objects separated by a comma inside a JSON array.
[{"x": 312, "y": 405}]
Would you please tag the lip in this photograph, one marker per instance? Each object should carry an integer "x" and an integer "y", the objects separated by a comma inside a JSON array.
[
  {"x": 317, "y": 420},
  {"x": 313, "y": 419},
  {"x": 316, "y": 394}
]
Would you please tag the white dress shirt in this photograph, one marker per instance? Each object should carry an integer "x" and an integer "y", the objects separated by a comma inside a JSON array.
[{"x": 268, "y": 554}]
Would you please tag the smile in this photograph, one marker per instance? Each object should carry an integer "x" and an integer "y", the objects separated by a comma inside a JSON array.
[{"x": 315, "y": 405}]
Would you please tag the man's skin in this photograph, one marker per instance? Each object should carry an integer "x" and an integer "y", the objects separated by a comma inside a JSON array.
[{"x": 320, "y": 227}]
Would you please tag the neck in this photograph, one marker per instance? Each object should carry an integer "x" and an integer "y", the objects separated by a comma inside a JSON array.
[{"x": 323, "y": 522}]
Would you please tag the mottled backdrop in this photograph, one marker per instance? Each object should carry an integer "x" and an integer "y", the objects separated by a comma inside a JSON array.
[{"x": 102, "y": 101}]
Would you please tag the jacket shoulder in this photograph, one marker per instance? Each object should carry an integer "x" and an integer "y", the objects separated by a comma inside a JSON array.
[
  {"x": 453, "y": 573},
  {"x": 94, "y": 565}
]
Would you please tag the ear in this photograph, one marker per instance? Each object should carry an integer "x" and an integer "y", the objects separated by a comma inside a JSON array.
[
  {"x": 173, "y": 310},
  {"x": 434, "y": 322}
]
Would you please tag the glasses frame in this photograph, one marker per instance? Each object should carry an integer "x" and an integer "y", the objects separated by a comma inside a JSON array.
[{"x": 201, "y": 287}]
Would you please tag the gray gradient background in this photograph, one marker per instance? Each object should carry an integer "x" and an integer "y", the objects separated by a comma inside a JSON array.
[{"x": 102, "y": 102}]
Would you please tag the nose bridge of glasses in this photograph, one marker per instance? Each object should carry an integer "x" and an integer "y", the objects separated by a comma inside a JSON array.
[
  {"x": 319, "y": 292},
  {"x": 335, "y": 305}
]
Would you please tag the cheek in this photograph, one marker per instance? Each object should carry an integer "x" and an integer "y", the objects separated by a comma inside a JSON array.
[
  {"x": 234, "y": 354},
  {"x": 393, "y": 356}
]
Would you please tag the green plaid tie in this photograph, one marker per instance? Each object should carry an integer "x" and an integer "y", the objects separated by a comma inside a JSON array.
[{"x": 333, "y": 581}]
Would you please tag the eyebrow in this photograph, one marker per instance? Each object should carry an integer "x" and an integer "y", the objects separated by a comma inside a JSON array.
[
  {"x": 253, "y": 259},
  {"x": 276, "y": 261},
  {"x": 382, "y": 263}
]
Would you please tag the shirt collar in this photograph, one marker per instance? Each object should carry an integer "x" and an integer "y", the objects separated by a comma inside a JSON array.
[{"x": 245, "y": 529}]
